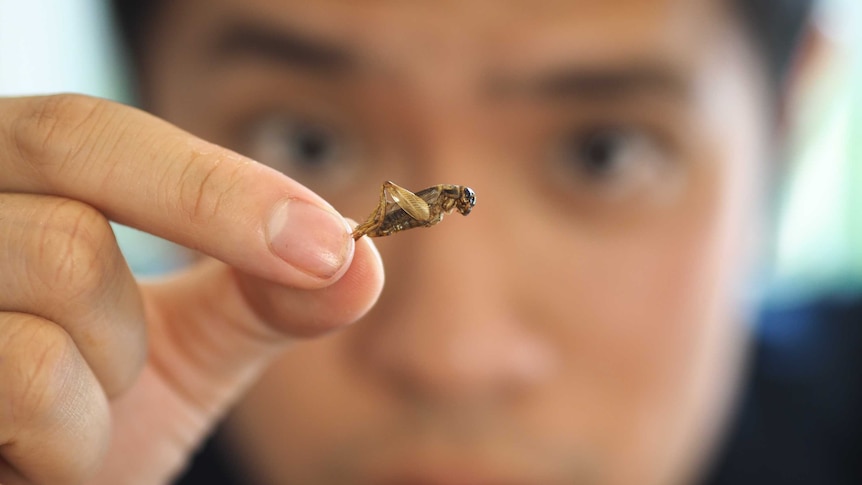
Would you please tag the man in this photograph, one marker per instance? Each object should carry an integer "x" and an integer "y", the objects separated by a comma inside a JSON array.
[{"x": 582, "y": 325}]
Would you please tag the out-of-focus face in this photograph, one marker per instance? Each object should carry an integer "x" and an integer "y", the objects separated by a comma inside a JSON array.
[{"x": 582, "y": 324}]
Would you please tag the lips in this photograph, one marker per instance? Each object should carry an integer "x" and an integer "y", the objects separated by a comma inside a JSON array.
[
  {"x": 446, "y": 457},
  {"x": 462, "y": 472},
  {"x": 438, "y": 477}
]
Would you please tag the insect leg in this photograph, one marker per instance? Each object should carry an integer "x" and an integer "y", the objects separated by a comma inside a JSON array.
[{"x": 375, "y": 219}]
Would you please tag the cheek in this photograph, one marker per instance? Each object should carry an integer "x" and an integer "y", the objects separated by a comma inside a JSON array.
[
  {"x": 644, "y": 315},
  {"x": 640, "y": 286}
]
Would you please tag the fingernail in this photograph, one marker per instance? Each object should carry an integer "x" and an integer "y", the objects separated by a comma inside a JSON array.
[{"x": 309, "y": 238}]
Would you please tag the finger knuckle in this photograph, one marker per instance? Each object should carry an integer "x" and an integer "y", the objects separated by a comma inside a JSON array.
[
  {"x": 46, "y": 391},
  {"x": 205, "y": 186},
  {"x": 74, "y": 249},
  {"x": 37, "y": 368},
  {"x": 51, "y": 130}
]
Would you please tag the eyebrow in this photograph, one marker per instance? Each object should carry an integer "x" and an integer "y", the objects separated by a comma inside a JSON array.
[
  {"x": 283, "y": 46},
  {"x": 593, "y": 82}
]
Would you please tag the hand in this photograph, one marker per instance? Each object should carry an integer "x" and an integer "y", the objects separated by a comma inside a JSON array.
[{"x": 82, "y": 398}]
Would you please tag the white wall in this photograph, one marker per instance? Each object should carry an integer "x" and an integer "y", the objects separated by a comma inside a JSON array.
[{"x": 58, "y": 45}]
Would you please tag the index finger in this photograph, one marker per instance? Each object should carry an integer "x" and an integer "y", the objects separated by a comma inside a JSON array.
[{"x": 146, "y": 173}]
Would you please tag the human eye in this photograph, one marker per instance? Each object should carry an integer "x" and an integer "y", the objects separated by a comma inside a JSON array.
[
  {"x": 310, "y": 151},
  {"x": 611, "y": 162}
]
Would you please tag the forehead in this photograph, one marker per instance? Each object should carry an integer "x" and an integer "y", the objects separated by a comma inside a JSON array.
[
  {"x": 477, "y": 13},
  {"x": 520, "y": 32}
]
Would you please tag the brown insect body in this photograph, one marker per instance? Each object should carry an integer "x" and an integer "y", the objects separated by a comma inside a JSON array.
[{"x": 407, "y": 210}]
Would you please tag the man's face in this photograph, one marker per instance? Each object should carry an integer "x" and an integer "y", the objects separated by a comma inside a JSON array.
[{"x": 582, "y": 324}]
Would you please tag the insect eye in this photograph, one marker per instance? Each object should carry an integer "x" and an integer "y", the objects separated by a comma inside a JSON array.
[
  {"x": 466, "y": 201},
  {"x": 469, "y": 195}
]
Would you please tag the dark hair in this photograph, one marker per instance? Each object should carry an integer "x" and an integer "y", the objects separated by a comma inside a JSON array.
[
  {"x": 133, "y": 18},
  {"x": 775, "y": 26}
]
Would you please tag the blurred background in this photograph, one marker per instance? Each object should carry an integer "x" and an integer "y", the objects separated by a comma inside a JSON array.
[{"x": 51, "y": 46}]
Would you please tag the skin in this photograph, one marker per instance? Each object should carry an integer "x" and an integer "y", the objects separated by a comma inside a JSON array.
[
  {"x": 580, "y": 326},
  {"x": 603, "y": 349}
]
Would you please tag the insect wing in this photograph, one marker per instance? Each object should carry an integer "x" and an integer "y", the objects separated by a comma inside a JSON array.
[{"x": 412, "y": 204}]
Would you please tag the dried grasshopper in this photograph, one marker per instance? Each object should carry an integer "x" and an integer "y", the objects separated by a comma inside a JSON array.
[{"x": 407, "y": 210}]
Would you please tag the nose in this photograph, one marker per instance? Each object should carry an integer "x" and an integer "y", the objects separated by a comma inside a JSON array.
[{"x": 448, "y": 327}]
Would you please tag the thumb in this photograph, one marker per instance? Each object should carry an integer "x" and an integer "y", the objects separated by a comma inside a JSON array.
[{"x": 212, "y": 330}]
